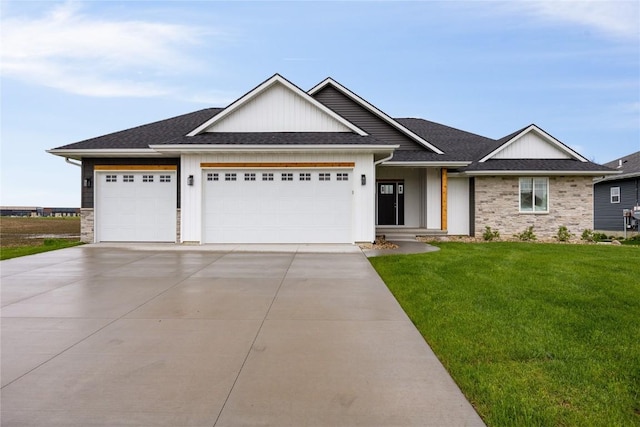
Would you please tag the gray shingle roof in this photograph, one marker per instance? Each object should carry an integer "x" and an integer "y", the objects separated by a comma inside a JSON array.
[
  {"x": 550, "y": 165},
  {"x": 277, "y": 138},
  {"x": 629, "y": 164},
  {"x": 152, "y": 133}
]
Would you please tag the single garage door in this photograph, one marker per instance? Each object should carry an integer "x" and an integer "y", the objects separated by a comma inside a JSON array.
[
  {"x": 136, "y": 206},
  {"x": 278, "y": 206}
]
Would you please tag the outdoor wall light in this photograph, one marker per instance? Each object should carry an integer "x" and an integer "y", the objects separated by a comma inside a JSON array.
[
  {"x": 190, "y": 180},
  {"x": 363, "y": 179},
  {"x": 86, "y": 183}
]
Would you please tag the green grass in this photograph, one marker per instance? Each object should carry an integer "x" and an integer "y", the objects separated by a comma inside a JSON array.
[
  {"x": 47, "y": 245},
  {"x": 534, "y": 334}
]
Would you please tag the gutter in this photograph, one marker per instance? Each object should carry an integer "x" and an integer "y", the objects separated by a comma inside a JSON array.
[
  {"x": 66, "y": 159},
  {"x": 383, "y": 160}
]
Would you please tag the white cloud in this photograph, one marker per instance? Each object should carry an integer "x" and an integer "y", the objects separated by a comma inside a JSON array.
[
  {"x": 81, "y": 54},
  {"x": 617, "y": 18}
]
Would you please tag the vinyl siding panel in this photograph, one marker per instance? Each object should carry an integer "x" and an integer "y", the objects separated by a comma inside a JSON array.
[
  {"x": 88, "y": 166},
  {"x": 364, "y": 119},
  {"x": 608, "y": 216},
  {"x": 278, "y": 110},
  {"x": 531, "y": 146}
]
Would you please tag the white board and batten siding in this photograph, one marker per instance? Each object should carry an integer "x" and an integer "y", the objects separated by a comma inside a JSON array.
[
  {"x": 278, "y": 109},
  {"x": 531, "y": 146},
  {"x": 434, "y": 199},
  {"x": 458, "y": 206},
  {"x": 305, "y": 212}
]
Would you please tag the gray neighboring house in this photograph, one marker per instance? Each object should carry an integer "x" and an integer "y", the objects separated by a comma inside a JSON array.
[{"x": 613, "y": 194}]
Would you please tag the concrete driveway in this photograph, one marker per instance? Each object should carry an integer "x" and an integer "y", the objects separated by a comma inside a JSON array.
[{"x": 108, "y": 336}]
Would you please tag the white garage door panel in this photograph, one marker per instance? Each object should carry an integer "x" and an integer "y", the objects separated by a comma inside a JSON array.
[
  {"x": 278, "y": 211},
  {"x": 136, "y": 211}
]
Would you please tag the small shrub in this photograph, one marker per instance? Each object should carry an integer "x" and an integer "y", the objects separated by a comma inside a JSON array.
[
  {"x": 563, "y": 235},
  {"x": 587, "y": 235},
  {"x": 490, "y": 234},
  {"x": 527, "y": 235},
  {"x": 599, "y": 237}
]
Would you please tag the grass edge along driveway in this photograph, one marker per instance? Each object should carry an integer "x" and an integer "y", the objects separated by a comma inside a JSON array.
[{"x": 534, "y": 334}]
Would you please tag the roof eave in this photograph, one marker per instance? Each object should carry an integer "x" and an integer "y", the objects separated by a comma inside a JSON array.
[
  {"x": 616, "y": 175},
  {"x": 435, "y": 164},
  {"x": 536, "y": 173},
  {"x": 273, "y": 148},
  {"x": 78, "y": 154}
]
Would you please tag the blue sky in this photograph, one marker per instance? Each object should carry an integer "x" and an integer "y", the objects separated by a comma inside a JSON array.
[{"x": 76, "y": 70}]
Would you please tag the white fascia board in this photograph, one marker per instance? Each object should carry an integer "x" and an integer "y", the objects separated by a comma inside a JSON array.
[
  {"x": 427, "y": 164},
  {"x": 375, "y": 111},
  {"x": 615, "y": 175},
  {"x": 537, "y": 173},
  {"x": 545, "y": 135},
  {"x": 228, "y": 148},
  {"x": 114, "y": 152},
  {"x": 277, "y": 78}
]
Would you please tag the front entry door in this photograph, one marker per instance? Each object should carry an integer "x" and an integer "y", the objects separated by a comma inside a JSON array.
[{"x": 390, "y": 203}]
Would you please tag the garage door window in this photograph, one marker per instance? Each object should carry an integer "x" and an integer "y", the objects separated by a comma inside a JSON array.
[
  {"x": 287, "y": 177},
  {"x": 267, "y": 177},
  {"x": 147, "y": 178},
  {"x": 249, "y": 176},
  {"x": 342, "y": 176},
  {"x": 305, "y": 177},
  {"x": 230, "y": 177},
  {"x": 127, "y": 178},
  {"x": 111, "y": 178},
  {"x": 165, "y": 178},
  {"x": 212, "y": 177},
  {"x": 324, "y": 177}
]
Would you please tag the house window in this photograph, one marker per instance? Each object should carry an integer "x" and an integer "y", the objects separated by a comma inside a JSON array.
[
  {"x": 305, "y": 176},
  {"x": 324, "y": 176},
  {"x": 165, "y": 178},
  {"x": 342, "y": 176},
  {"x": 249, "y": 176},
  {"x": 287, "y": 177},
  {"x": 147, "y": 178},
  {"x": 230, "y": 177},
  {"x": 127, "y": 178},
  {"x": 112, "y": 178},
  {"x": 267, "y": 177},
  {"x": 615, "y": 194},
  {"x": 212, "y": 177},
  {"x": 534, "y": 195}
]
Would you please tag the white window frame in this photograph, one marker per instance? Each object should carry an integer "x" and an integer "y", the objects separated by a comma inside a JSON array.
[
  {"x": 614, "y": 196},
  {"x": 533, "y": 180}
]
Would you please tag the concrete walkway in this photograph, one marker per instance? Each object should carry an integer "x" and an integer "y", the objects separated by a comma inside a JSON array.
[{"x": 106, "y": 336}]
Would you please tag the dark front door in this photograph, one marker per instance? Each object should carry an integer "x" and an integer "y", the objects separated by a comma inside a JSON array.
[{"x": 390, "y": 203}]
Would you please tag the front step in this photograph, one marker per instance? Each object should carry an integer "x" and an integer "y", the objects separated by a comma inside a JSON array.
[{"x": 406, "y": 234}]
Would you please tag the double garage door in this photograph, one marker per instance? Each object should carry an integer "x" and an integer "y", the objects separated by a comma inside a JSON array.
[
  {"x": 277, "y": 206},
  {"x": 136, "y": 206}
]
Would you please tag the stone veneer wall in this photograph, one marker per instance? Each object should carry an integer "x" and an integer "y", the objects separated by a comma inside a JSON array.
[
  {"x": 86, "y": 225},
  {"x": 497, "y": 206}
]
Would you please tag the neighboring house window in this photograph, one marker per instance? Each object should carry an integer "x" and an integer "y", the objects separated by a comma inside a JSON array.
[
  {"x": 230, "y": 176},
  {"x": 127, "y": 178},
  {"x": 305, "y": 176},
  {"x": 249, "y": 176},
  {"x": 324, "y": 177},
  {"x": 615, "y": 194},
  {"x": 212, "y": 177},
  {"x": 165, "y": 178},
  {"x": 112, "y": 178},
  {"x": 342, "y": 176},
  {"x": 534, "y": 195},
  {"x": 147, "y": 178},
  {"x": 267, "y": 177},
  {"x": 287, "y": 177}
]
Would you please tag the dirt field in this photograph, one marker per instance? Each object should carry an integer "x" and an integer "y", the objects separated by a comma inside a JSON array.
[{"x": 25, "y": 231}]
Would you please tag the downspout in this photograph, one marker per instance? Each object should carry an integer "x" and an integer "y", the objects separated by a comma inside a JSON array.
[
  {"x": 66, "y": 159},
  {"x": 383, "y": 160}
]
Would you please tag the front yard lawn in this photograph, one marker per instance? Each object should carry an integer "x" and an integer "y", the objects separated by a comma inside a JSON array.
[{"x": 534, "y": 334}]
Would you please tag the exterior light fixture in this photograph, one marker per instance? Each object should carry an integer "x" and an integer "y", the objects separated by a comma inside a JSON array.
[
  {"x": 86, "y": 183},
  {"x": 363, "y": 179},
  {"x": 190, "y": 180}
]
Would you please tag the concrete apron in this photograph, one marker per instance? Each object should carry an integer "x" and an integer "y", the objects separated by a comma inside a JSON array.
[{"x": 112, "y": 336}]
